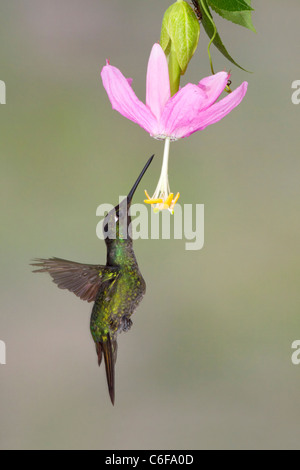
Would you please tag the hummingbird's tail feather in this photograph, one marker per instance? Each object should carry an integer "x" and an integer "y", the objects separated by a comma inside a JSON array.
[
  {"x": 99, "y": 353},
  {"x": 109, "y": 350}
]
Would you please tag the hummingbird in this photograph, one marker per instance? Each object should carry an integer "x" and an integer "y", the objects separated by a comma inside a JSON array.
[{"x": 116, "y": 288}]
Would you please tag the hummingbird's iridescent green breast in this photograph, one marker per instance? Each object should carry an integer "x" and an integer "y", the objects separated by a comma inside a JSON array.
[{"x": 117, "y": 301}]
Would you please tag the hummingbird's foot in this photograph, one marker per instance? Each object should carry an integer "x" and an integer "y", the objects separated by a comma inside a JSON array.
[{"x": 127, "y": 324}]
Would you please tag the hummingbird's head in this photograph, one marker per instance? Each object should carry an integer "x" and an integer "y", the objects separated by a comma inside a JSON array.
[{"x": 117, "y": 223}]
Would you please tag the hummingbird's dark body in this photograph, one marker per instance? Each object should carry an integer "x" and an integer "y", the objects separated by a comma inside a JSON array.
[
  {"x": 116, "y": 288},
  {"x": 116, "y": 301}
]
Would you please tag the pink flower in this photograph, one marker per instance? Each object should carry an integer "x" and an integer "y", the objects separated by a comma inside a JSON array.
[
  {"x": 192, "y": 109},
  {"x": 166, "y": 117}
]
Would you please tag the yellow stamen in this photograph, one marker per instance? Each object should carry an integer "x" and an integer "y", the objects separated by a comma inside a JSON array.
[
  {"x": 176, "y": 198},
  {"x": 169, "y": 200},
  {"x": 153, "y": 201},
  {"x": 162, "y": 204},
  {"x": 147, "y": 195},
  {"x": 174, "y": 202}
]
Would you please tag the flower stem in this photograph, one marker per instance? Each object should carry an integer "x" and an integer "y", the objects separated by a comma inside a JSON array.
[{"x": 207, "y": 12}]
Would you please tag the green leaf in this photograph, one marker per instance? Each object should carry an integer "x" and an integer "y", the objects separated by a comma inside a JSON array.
[
  {"x": 208, "y": 24},
  {"x": 230, "y": 5},
  {"x": 242, "y": 18}
]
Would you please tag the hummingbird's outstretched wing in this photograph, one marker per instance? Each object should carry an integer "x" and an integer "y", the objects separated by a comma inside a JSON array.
[{"x": 82, "y": 279}]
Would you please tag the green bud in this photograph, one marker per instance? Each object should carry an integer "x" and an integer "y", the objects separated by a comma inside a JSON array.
[
  {"x": 179, "y": 38},
  {"x": 174, "y": 71}
]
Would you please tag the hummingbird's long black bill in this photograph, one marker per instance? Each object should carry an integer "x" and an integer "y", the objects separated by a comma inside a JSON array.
[{"x": 132, "y": 191}]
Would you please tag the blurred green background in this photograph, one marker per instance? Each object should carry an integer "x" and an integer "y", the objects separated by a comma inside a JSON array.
[{"x": 208, "y": 362}]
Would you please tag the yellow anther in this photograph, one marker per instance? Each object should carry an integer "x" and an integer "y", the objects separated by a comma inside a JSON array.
[
  {"x": 160, "y": 203},
  {"x": 174, "y": 202},
  {"x": 147, "y": 195},
  {"x": 176, "y": 198},
  {"x": 153, "y": 201},
  {"x": 168, "y": 201}
]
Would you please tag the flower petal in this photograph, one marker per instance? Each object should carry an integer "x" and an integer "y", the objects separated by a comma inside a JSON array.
[
  {"x": 219, "y": 110},
  {"x": 213, "y": 86},
  {"x": 189, "y": 101},
  {"x": 124, "y": 100},
  {"x": 158, "y": 82},
  {"x": 180, "y": 110},
  {"x": 182, "y": 117}
]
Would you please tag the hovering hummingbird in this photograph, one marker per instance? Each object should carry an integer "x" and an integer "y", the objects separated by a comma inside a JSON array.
[{"x": 116, "y": 288}]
